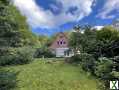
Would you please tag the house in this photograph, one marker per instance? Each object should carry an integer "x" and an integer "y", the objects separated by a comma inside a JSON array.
[{"x": 60, "y": 46}]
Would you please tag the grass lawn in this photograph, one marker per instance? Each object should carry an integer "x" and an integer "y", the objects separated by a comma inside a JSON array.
[{"x": 42, "y": 75}]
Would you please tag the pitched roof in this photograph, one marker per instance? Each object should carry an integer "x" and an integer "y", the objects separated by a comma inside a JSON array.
[{"x": 61, "y": 41}]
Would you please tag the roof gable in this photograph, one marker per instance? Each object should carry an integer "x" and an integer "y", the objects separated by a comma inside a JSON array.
[{"x": 61, "y": 41}]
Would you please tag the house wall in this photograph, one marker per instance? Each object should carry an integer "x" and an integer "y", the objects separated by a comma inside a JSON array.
[
  {"x": 60, "y": 52},
  {"x": 60, "y": 45}
]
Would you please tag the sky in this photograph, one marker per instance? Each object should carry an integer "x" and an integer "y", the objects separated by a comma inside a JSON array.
[{"x": 46, "y": 17}]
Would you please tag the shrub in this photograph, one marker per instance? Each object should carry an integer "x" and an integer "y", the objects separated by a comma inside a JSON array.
[
  {"x": 7, "y": 80},
  {"x": 103, "y": 71},
  {"x": 115, "y": 74},
  {"x": 74, "y": 59},
  {"x": 16, "y": 56},
  {"x": 43, "y": 52},
  {"x": 87, "y": 61},
  {"x": 103, "y": 68},
  {"x": 116, "y": 59},
  {"x": 24, "y": 55}
]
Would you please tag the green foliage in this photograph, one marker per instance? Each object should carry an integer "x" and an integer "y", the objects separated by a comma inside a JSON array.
[
  {"x": 7, "y": 27},
  {"x": 5, "y": 2},
  {"x": 13, "y": 56},
  {"x": 13, "y": 27},
  {"x": 74, "y": 59},
  {"x": 87, "y": 61},
  {"x": 84, "y": 41},
  {"x": 89, "y": 41},
  {"x": 116, "y": 64},
  {"x": 104, "y": 71},
  {"x": 107, "y": 42},
  {"x": 115, "y": 74},
  {"x": 43, "y": 49},
  {"x": 44, "y": 41},
  {"x": 43, "y": 52},
  {"x": 15, "y": 36},
  {"x": 102, "y": 48},
  {"x": 28, "y": 38},
  {"x": 75, "y": 40},
  {"x": 99, "y": 43},
  {"x": 108, "y": 33},
  {"x": 103, "y": 68},
  {"x": 7, "y": 80}
]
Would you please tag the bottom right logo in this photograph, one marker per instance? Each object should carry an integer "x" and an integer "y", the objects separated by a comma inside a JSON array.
[{"x": 114, "y": 85}]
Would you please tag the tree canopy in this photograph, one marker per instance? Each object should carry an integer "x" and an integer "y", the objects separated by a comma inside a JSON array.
[
  {"x": 104, "y": 42},
  {"x": 13, "y": 27}
]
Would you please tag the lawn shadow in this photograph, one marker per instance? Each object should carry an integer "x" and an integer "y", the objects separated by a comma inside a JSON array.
[{"x": 8, "y": 79}]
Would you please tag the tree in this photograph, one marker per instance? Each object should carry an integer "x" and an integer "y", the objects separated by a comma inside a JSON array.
[
  {"x": 14, "y": 30},
  {"x": 76, "y": 38},
  {"x": 16, "y": 39},
  {"x": 108, "y": 33},
  {"x": 84, "y": 40},
  {"x": 108, "y": 42},
  {"x": 7, "y": 26}
]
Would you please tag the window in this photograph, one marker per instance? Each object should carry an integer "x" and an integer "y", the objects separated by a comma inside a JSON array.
[{"x": 61, "y": 42}]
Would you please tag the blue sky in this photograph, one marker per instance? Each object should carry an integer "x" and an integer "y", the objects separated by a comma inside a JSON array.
[{"x": 47, "y": 17}]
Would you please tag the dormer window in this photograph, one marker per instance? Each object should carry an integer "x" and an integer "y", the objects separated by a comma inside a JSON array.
[{"x": 61, "y": 42}]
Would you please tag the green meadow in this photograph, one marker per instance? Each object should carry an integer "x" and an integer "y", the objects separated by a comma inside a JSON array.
[{"x": 52, "y": 75}]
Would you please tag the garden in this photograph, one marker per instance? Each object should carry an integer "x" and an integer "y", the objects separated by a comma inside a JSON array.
[{"x": 26, "y": 63}]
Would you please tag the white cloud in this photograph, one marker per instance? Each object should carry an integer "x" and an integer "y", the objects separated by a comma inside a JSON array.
[
  {"x": 83, "y": 7},
  {"x": 109, "y": 6},
  {"x": 38, "y": 17},
  {"x": 98, "y": 27}
]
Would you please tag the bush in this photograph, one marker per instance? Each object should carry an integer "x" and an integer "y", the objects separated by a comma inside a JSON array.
[
  {"x": 104, "y": 71},
  {"x": 116, "y": 59},
  {"x": 103, "y": 68},
  {"x": 115, "y": 74},
  {"x": 16, "y": 56},
  {"x": 87, "y": 61},
  {"x": 43, "y": 53},
  {"x": 74, "y": 59},
  {"x": 7, "y": 80}
]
